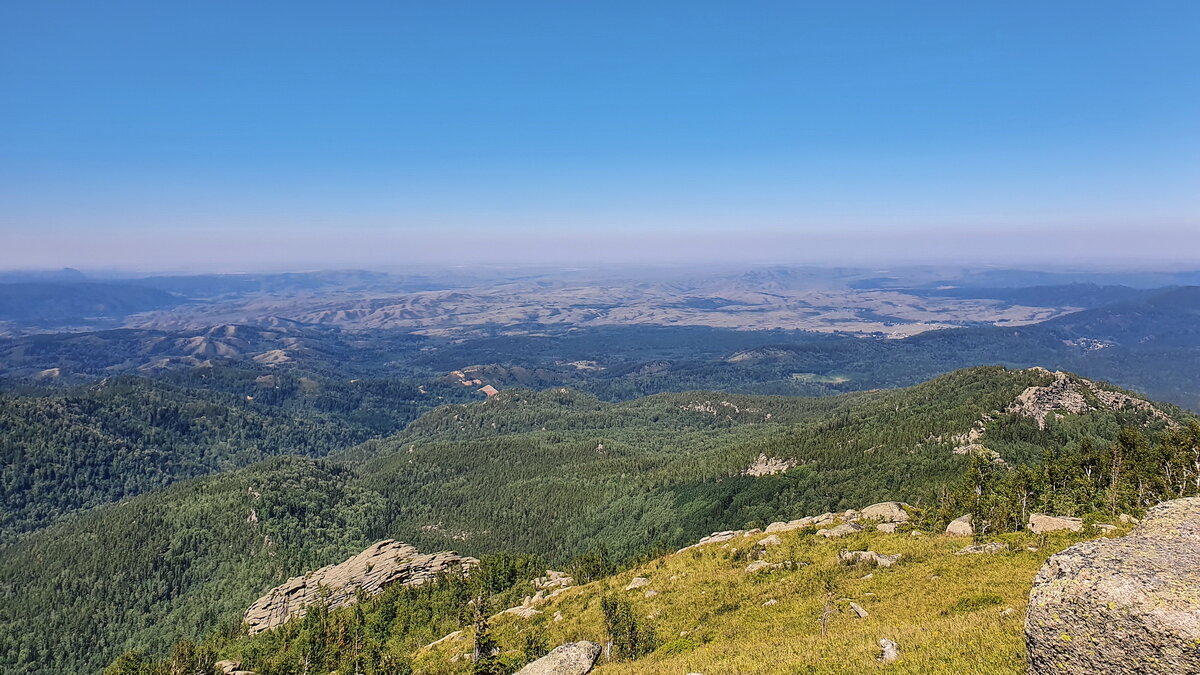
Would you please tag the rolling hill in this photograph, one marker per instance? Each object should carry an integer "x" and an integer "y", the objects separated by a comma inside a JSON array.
[{"x": 559, "y": 474}]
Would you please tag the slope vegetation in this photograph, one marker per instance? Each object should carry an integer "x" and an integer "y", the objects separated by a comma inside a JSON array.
[{"x": 558, "y": 474}]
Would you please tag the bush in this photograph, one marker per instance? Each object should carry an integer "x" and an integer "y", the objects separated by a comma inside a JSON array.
[{"x": 631, "y": 638}]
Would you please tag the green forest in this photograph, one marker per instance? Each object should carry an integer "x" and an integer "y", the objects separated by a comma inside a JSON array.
[{"x": 558, "y": 474}]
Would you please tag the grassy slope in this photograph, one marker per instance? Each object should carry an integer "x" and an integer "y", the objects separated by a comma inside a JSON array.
[
  {"x": 710, "y": 616},
  {"x": 669, "y": 474}
]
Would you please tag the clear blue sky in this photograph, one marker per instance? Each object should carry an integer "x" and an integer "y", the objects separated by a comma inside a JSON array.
[{"x": 209, "y": 133}]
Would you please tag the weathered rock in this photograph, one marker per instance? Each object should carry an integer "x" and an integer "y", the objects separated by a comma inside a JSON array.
[
  {"x": 717, "y": 537},
  {"x": 887, "y": 512},
  {"x": 573, "y": 658},
  {"x": 1070, "y": 394},
  {"x": 840, "y": 531},
  {"x": 798, "y": 524},
  {"x": 1039, "y": 523},
  {"x": 868, "y": 557},
  {"x": 1105, "y": 527},
  {"x": 887, "y": 528},
  {"x": 381, "y": 565},
  {"x": 1124, "y": 605},
  {"x": 889, "y": 651},
  {"x": 762, "y": 565},
  {"x": 990, "y": 547},
  {"x": 637, "y": 582},
  {"x": 523, "y": 611},
  {"x": 448, "y": 636},
  {"x": 770, "y": 540},
  {"x": 1127, "y": 519},
  {"x": 961, "y": 526},
  {"x": 552, "y": 580},
  {"x": 858, "y": 610},
  {"x": 824, "y": 519}
]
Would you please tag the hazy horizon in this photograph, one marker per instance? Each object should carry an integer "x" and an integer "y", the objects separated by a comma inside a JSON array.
[{"x": 225, "y": 136}]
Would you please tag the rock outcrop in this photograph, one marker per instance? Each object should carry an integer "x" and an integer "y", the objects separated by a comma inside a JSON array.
[
  {"x": 1072, "y": 394},
  {"x": 380, "y": 565},
  {"x": 1123, "y": 605},
  {"x": 573, "y": 658},
  {"x": 1040, "y": 524}
]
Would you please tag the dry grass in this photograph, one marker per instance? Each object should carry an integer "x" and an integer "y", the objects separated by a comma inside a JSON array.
[{"x": 946, "y": 612}]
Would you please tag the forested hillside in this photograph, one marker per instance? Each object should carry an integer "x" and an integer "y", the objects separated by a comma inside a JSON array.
[
  {"x": 951, "y": 606},
  {"x": 557, "y": 474},
  {"x": 1145, "y": 340},
  {"x": 73, "y": 449}
]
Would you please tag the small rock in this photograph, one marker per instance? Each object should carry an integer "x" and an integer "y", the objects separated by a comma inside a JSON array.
[
  {"x": 1105, "y": 527},
  {"x": 857, "y": 609},
  {"x": 770, "y": 602},
  {"x": 1007, "y": 611},
  {"x": 558, "y": 616},
  {"x": 789, "y": 526},
  {"x": 573, "y": 658},
  {"x": 990, "y": 547},
  {"x": 771, "y": 540},
  {"x": 867, "y": 576},
  {"x": 759, "y": 565},
  {"x": 870, "y": 557},
  {"x": 889, "y": 651},
  {"x": 961, "y": 527},
  {"x": 888, "y": 528},
  {"x": 823, "y": 519},
  {"x": 916, "y": 533},
  {"x": 523, "y": 612},
  {"x": 650, "y": 593},
  {"x": 1039, "y": 523},
  {"x": 637, "y": 582},
  {"x": 1127, "y": 519}
]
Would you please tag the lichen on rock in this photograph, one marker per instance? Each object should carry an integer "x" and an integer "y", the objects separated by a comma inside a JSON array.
[{"x": 1123, "y": 605}]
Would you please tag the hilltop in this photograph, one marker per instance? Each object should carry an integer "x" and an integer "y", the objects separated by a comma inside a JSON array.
[{"x": 557, "y": 474}]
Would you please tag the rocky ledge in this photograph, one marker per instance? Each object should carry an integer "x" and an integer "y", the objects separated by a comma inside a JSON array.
[
  {"x": 1125, "y": 605},
  {"x": 379, "y": 566}
]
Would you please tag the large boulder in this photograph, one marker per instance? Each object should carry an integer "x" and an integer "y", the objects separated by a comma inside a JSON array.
[
  {"x": 1040, "y": 524},
  {"x": 573, "y": 658},
  {"x": 381, "y": 565},
  {"x": 961, "y": 527},
  {"x": 886, "y": 512},
  {"x": 1124, "y": 605}
]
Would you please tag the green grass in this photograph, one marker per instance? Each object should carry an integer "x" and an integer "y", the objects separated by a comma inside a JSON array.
[{"x": 948, "y": 613}]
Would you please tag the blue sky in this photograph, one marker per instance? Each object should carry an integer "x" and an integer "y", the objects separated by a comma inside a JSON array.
[{"x": 232, "y": 133}]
